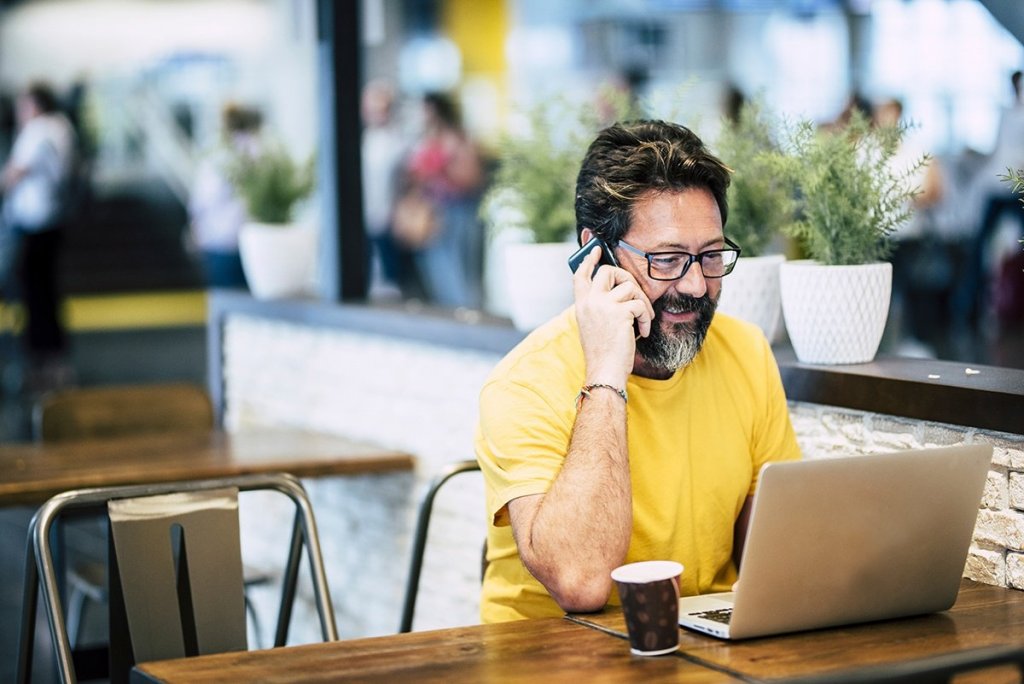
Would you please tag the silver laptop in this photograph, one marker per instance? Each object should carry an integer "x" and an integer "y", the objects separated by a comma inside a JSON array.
[{"x": 845, "y": 540}]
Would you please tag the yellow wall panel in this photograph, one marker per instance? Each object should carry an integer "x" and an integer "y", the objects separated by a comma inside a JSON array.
[{"x": 478, "y": 27}]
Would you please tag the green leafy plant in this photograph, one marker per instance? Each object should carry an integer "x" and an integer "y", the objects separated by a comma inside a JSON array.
[
  {"x": 270, "y": 183},
  {"x": 1015, "y": 177},
  {"x": 761, "y": 202},
  {"x": 535, "y": 183},
  {"x": 850, "y": 198}
]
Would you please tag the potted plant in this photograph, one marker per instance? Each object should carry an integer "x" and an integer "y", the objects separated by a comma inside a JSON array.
[
  {"x": 530, "y": 205},
  {"x": 850, "y": 200},
  {"x": 278, "y": 255},
  {"x": 761, "y": 205}
]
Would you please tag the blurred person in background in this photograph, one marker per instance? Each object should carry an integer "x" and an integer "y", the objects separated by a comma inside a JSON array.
[
  {"x": 922, "y": 261},
  {"x": 216, "y": 212},
  {"x": 995, "y": 201},
  {"x": 445, "y": 169},
  {"x": 38, "y": 183},
  {"x": 384, "y": 148}
]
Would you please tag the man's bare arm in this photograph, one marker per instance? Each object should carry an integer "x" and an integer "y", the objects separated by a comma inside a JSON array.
[{"x": 571, "y": 537}]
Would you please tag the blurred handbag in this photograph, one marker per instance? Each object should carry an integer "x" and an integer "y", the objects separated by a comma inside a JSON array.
[{"x": 414, "y": 223}]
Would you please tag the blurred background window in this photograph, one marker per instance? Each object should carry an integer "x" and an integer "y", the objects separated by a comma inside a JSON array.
[{"x": 146, "y": 83}]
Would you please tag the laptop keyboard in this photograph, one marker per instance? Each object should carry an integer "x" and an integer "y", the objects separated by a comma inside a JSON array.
[{"x": 721, "y": 615}]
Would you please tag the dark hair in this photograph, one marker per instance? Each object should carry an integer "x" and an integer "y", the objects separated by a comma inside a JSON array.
[
  {"x": 445, "y": 108},
  {"x": 43, "y": 96},
  {"x": 629, "y": 159},
  {"x": 237, "y": 118}
]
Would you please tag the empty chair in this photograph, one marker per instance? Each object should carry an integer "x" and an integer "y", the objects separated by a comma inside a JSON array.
[
  {"x": 419, "y": 544},
  {"x": 112, "y": 411},
  {"x": 176, "y": 578},
  {"x": 109, "y": 411}
]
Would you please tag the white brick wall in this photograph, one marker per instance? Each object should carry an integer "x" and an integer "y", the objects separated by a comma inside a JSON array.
[
  {"x": 411, "y": 396},
  {"x": 423, "y": 398}
]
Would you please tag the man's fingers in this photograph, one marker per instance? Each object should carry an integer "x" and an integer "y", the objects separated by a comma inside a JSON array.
[
  {"x": 584, "y": 275},
  {"x": 617, "y": 282},
  {"x": 642, "y": 313}
]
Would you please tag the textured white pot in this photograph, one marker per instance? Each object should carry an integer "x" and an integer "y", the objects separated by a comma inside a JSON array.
[
  {"x": 538, "y": 282},
  {"x": 751, "y": 292},
  {"x": 835, "y": 314},
  {"x": 279, "y": 260}
]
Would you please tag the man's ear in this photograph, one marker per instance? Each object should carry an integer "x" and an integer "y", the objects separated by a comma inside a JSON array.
[{"x": 585, "y": 236}]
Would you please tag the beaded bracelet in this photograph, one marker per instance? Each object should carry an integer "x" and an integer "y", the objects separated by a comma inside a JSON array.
[{"x": 585, "y": 392}]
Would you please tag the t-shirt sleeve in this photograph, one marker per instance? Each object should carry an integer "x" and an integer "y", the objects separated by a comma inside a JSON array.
[
  {"x": 28, "y": 149},
  {"x": 521, "y": 443},
  {"x": 774, "y": 438}
]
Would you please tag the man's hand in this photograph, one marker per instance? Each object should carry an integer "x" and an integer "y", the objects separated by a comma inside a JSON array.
[{"x": 608, "y": 300}]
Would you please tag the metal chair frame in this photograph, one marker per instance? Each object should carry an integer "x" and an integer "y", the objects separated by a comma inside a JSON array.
[
  {"x": 39, "y": 563},
  {"x": 53, "y": 407},
  {"x": 412, "y": 586}
]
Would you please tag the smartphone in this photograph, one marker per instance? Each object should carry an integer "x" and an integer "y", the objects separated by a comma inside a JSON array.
[
  {"x": 593, "y": 243},
  {"x": 607, "y": 257}
]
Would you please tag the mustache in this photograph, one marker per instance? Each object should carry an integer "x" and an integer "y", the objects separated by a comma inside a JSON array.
[{"x": 683, "y": 304}]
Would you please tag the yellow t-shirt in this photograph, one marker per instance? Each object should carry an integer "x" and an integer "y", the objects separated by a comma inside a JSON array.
[{"x": 696, "y": 444}]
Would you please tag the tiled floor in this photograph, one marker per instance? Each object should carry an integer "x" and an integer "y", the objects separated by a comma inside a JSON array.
[{"x": 98, "y": 358}]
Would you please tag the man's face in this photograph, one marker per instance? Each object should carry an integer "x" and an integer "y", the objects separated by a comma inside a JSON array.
[{"x": 685, "y": 221}]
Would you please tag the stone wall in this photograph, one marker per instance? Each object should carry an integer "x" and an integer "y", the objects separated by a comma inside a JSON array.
[{"x": 423, "y": 398}]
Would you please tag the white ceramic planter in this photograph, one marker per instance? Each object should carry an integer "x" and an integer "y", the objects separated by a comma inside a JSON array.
[
  {"x": 538, "y": 282},
  {"x": 279, "y": 260},
  {"x": 835, "y": 314},
  {"x": 751, "y": 292}
]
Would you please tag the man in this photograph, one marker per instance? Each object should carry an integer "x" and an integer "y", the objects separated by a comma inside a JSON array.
[
  {"x": 657, "y": 456},
  {"x": 37, "y": 186}
]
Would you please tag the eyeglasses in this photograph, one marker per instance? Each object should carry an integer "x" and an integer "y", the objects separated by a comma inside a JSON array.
[{"x": 714, "y": 263}]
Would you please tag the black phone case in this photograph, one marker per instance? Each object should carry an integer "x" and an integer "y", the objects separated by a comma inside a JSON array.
[{"x": 594, "y": 243}]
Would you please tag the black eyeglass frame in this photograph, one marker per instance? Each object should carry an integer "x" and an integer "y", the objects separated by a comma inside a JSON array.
[{"x": 691, "y": 258}]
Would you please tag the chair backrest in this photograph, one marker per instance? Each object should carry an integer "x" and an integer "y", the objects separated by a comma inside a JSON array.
[
  {"x": 112, "y": 410},
  {"x": 419, "y": 544},
  {"x": 179, "y": 569},
  {"x": 176, "y": 578}
]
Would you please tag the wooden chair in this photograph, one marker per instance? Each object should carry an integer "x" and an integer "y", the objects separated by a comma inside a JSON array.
[
  {"x": 109, "y": 411},
  {"x": 419, "y": 544},
  {"x": 176, "y": 573}
]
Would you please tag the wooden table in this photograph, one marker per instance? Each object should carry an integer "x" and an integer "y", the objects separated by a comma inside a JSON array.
[
  {"x": 593, "y": 648},
  {"x": 32, "y": 473},
  {"x": 547, "y": 650},
  {"x": 983, "y": 616}
]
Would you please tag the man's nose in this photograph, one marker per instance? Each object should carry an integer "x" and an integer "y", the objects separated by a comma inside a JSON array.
[{"x": 692, "y": 283}]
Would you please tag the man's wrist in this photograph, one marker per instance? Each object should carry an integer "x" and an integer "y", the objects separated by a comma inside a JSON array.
[{"x": 586, "y": 390}]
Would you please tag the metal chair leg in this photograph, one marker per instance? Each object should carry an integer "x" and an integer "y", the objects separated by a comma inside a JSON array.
[{"x": 419, "y": 544}]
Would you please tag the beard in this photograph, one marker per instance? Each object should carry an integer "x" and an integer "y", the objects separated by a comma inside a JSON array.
[{"x": 668, "y": 350}]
